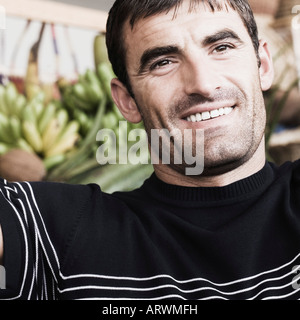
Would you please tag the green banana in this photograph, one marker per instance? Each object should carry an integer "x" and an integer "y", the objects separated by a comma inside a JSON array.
[
  {"x": 89, "y": 124},
  {"x": 23, "y": 144},
  {"x": 110, "y": 120},
  {"x": 96, "y": 92},
  {"x": 47, "y": 130},
  {"x": 84, "y": 121},
  {"x": 32, "y": 136},
  {"x": 51, "y": 134},
  {"x": 64, "y": 144},
  {"x": 85, "y": 148},
  {"x": 20, "y": 104},
  {"x": 105, "y": 74},
  {"x": 11, "y": 102},
  {"x": 38, "y": 98},
  {"x": 46, "y": 116},
  {"x": 71, "y": 128},
  {"x": 10, "y": 97},
  {"x": 53, "y": 161},
  {"x": 88, "y": 88},
  {"x": 3, "y": 106},
  {"x": 68, "y": 98},
  {"x": 62, "y": 117},
  {"x": 86, "y": 106},
  {"x": 4, "y": 148},
  {"x": 93, "y": 92},
  {"x": 85, "y": 94},
  {"x": 5, "y": 132},
  {"x": 80, "y": 92},
  {"x": 15, "y": 127},
  {"x": 100, "y": 49},
  {"x": 38, "y": 109},
  {"x": 93, "y": 79},
  {"x": 91, "y": 76},
  {"x": 65, "y": 141},
  {"x": 28, "y": 114}
]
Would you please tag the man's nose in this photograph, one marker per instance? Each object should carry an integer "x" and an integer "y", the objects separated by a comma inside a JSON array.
[{"x": 201, "y": 77}]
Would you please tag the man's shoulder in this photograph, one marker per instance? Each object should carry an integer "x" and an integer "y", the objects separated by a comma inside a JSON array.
[
  {"x": 65, "y": 195},
  {"x": 296, "y": 165},
  {"x": 295, "y": 169},
  {"x": 50, "y": 196},
  {"x": 288, "y": 171},
  {"x": 62, "y": 188}
]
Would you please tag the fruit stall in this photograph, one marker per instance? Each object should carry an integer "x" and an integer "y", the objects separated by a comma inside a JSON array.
[
  {"x": 49, "y": 123},
  {"x": 48, "y": 131}
]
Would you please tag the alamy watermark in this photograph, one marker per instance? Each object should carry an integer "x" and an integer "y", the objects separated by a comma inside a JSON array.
[
  {"x": 2, "y": 278},
  {"x": 2, "y": 18},
  {"x": 175, "y": 147}
]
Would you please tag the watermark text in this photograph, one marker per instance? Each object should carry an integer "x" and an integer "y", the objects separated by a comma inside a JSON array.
[{"x": 176, "y": 147}]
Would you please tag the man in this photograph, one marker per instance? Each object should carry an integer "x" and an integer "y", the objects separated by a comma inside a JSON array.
[{"x": 232, "y": 232}]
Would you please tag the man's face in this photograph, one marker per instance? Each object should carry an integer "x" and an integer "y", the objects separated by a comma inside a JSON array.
[{"x": 199, "y": 70}]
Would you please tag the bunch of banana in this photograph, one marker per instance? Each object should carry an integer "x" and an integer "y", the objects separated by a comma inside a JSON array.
[
  {"x": 49, "y": 132},
  {"x": 85, "y": 94},
  {"x": 45, "y": 130},
  {"x": 82, "y": 99},
  {"x": 89, "y": 102},
  {"x": 11, "y": 108}
]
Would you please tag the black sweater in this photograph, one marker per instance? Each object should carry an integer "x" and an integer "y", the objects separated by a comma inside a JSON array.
[{"x": 161, "y": 241}]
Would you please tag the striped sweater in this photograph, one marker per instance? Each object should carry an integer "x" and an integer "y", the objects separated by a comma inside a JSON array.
[{"x": 160, "y": 241}]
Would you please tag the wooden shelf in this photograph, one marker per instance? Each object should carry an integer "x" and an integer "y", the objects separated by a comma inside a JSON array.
[{"x": 57, "y": 13}]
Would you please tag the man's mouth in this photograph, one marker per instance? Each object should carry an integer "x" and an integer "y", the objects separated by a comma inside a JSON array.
[{"x": 207, "y": 115}]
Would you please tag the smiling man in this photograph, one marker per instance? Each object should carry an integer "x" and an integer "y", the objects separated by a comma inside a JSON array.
[
  {"x": 192, "y": 68},
  {"x": 232, "y": 232}
]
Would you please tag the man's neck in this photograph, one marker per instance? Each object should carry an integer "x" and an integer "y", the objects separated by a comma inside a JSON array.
[{"x": 250, "y": 167}]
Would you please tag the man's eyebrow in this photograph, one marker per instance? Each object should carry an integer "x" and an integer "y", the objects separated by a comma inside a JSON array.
[
  {"x": 152, "y": 53},
  {"x": 221, "y": 35}
]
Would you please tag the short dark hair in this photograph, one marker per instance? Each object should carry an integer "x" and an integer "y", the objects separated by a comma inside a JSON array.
[{"x": 134, "y": 10}]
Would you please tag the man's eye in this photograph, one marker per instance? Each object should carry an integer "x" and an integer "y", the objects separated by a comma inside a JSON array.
[
  {"x": 160, "y": 64},
  {"x": 223, "y": 48}
]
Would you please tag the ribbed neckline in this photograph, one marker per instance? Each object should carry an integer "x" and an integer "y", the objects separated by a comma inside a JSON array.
[{"x": 247, "y": 186}]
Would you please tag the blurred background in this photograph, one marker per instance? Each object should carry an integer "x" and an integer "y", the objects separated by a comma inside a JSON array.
[
  {"x": 54, "y": 91},
  {"x": 81, "y": 40}
]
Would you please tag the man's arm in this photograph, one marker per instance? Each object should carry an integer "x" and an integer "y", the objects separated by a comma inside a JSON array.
[{"x": 1, "y": 246}]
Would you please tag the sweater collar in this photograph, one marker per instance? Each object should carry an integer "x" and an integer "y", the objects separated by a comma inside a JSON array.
[{"x": 246, "y": 186}]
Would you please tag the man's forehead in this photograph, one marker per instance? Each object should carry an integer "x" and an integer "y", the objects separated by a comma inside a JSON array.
[
  {"x": 187, "y": 6},
  {"x": 199, "y": 15},
  {"x": 149, "y": 10}
]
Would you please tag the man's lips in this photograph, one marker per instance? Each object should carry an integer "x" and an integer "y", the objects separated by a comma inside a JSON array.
[{"x": 198, "y": 114}]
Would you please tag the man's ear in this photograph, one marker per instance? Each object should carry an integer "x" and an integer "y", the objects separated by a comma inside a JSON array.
[
  {"x": 125, "y": 102},
  {"x": 266, "y": 70}
]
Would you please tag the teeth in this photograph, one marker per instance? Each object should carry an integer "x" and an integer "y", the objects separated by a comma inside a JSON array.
[
  {"x": 227, "y": 110},
  {"x": 193, "y": 118},
  {"x": 205, "y": 115},
  {"x": 198, "y": 117},
  {"x": 214, "y": 114},
  {"x": 209, "y": 115}
]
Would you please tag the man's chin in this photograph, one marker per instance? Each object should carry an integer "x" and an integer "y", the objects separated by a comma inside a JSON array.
[
  {"x": 212, "y": 168},
  {"x": 204, "y": 171},
  {"x": 225, "y": 165}
]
